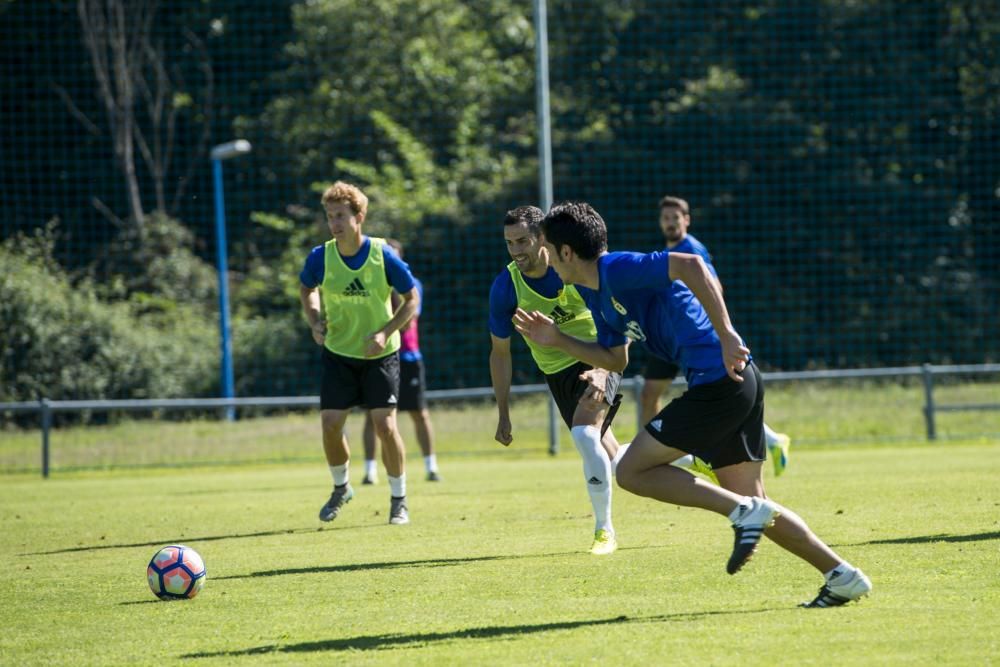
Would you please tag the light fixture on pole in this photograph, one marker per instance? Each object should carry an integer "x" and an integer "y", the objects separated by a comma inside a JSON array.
[{"x": 219, "y": 153}]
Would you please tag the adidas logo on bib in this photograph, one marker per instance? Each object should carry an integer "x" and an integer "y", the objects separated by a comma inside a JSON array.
[{"x": 356, "y": 288}]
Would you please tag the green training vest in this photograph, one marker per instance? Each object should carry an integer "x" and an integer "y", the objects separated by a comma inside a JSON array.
[
  {"x": 569, "y": 312},
  {"x": 357, "y": 303}
]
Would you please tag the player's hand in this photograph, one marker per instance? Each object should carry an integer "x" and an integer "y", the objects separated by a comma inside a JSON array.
[
  {"x": 735, "y": 355},
  {"x": 318, "y": 330},
  {"x": 536, "y": 327},
  {"x": 503, "y": 435},
  {"x": 596, "y": 379},
  {"x": 376, "y": 344}
]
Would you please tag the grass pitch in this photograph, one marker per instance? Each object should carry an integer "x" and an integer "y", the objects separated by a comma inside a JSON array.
[{"x": 494, "y": 568}]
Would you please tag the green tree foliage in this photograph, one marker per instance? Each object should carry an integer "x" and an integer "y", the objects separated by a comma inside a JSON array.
[
  {"x": 62, "y": 341},
  {"x": 848, "y": 138},
  {"x": 428, "y": 101},
  {"x": 840, "y": 158}
]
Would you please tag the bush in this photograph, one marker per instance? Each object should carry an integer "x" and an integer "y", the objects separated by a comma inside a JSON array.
[{"x": 61, "y": 341}]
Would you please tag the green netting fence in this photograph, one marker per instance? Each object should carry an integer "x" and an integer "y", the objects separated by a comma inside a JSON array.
[{"x": 840, "y": 158}]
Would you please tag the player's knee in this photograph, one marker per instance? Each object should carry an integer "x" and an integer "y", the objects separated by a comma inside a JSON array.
[
  {"x": 385, "y": 428},
  {"x": 332, "y": 421},
  {"x": 627, "y": 473},
  {"x": 627, "y": 477}
]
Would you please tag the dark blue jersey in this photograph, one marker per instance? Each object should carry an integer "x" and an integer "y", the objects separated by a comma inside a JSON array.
[
  {"x": 503, "y": 298},
  {"x": 636, "y": 299},
  {"x": 396, "y": 271},
  {"x": 693, "y": 246}
]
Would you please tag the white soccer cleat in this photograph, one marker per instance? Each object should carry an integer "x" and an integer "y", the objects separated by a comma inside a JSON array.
[
  {"x": 835, "y": 595},
  {"x": 749, "y": 528}
]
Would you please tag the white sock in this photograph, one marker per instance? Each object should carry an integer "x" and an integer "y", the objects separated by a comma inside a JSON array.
[
  {"x": 371, "y": 469},
  {"x": 341, "y": 475},
  {"x": 735, "y": 514},
  {"x": 840, "y": 574},
  {"x": 431, "y": 463},
  {"x": 397, "y": 485},
  {"x": 596, "y": 473},
  {"x": 618, "y": 457},
  {"x": 770, "y": 437}
]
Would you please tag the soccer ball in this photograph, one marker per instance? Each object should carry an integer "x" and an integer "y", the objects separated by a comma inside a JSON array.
[{"x": 176, "y": 572}]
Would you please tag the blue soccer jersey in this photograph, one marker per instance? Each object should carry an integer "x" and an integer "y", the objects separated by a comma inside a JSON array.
[
  {"x": 693, "y": 246},
  {"x": 637, "y": 300}
]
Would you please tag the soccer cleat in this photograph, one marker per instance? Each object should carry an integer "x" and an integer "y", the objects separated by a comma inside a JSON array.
[
  {"x": 433, "y": 476},
  {"x": 397, "y": 511},
  {"x": 749, "y": 528},
  {"x": 835, "y": 595},
  {"x": 370, "y": 479},
  {"x": 697, "y": 465},
  {"x": 604, "y": 542},
  {"x": 779, "y": 452},
  {"x": 341, "y": 496}
]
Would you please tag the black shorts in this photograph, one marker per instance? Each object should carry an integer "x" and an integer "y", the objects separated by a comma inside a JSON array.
[
  {"x": 567, "y": 389},
  {"x": 659, "y": 369},
  {"x": 348, "y": 382},
  {"x": 721, "y": 422},
  {"x": 412, "y": 381}
]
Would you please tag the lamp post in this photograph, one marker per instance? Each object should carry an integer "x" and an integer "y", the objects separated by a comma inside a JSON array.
[{"x": 219, "y": 153}]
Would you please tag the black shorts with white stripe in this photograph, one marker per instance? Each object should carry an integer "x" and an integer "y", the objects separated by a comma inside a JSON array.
[
  {"x": 567, "y": 389},
  {"x": 721, "y": 422}
]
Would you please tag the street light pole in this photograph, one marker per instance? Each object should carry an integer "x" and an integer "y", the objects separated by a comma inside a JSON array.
[{"x": 219, "y": 153}]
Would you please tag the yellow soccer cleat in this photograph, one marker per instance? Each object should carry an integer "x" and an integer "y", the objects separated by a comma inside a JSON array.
[
  {"x": 604, "y": 543},
  {"x": 778, "y": 449}
]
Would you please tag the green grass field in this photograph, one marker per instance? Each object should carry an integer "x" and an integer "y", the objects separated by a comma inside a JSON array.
[{"x": 494, "y": 568}]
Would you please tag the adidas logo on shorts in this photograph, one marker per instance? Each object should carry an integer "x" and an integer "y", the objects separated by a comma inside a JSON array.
[{"x": 656, "y": 425}]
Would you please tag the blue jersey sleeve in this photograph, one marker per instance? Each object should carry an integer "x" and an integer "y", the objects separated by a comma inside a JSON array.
[
  {"x": 695, "y": 247},
  {"x": 503, "y": 303},
  {"x": 420, "y": 291},
  {"x": 633, "y": 270},
  {"x": 312, "y": 273},
  {"x": 396, "y": 271}
]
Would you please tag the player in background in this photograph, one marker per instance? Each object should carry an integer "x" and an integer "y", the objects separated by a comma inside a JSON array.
[
  {"x": 721, "y": 414},
  {"x": 412, "y": 398},
  {"x": 345, "y": 290},
  {"x": 585, "y": 396},
  {"x": 675, "y": 218}
]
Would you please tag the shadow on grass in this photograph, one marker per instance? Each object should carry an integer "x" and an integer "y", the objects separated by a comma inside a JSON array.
[
  {"x": 392, "y": 565},
  {"x": 941, "y": 537},
  {"x": 193, "y": 540},
  {"x": 392, "y": 641}
]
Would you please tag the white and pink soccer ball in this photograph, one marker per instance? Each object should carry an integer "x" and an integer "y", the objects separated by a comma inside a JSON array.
[{"x": 176, "y": 572}]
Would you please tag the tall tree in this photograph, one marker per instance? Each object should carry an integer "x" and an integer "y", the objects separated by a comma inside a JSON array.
[{"x": 130, "y": 67}]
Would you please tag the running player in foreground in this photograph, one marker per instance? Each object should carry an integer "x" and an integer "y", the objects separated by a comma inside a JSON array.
[{"x": 719, "y": 417}]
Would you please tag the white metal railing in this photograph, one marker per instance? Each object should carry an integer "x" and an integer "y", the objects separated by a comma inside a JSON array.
[{"x": 46, "y": 408}]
